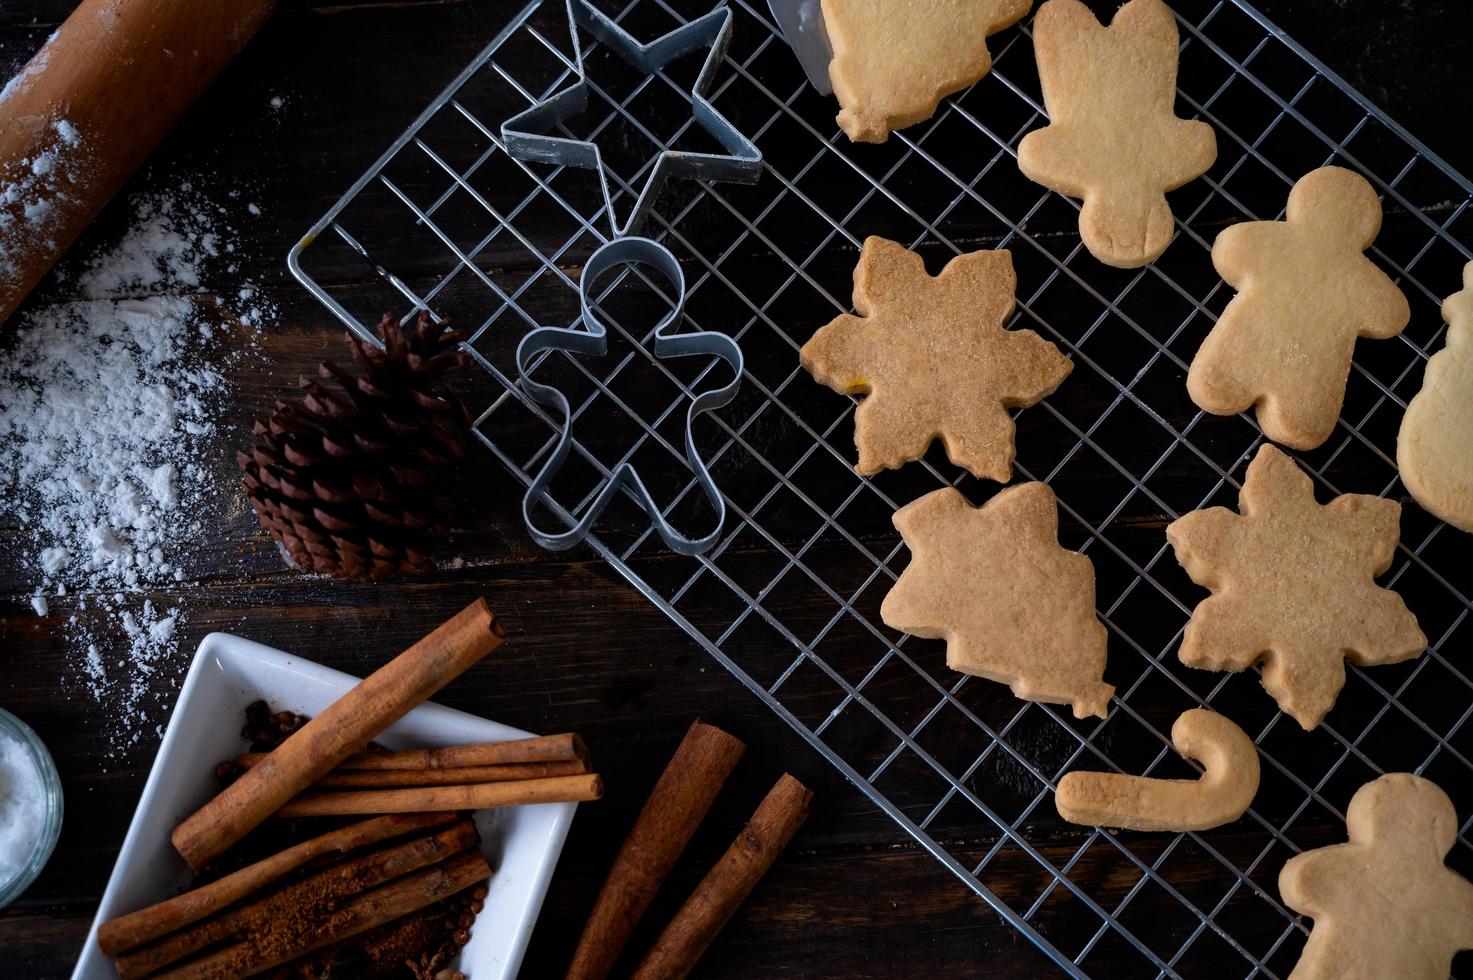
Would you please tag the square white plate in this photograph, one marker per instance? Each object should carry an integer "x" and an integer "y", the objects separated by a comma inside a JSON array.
[{"x": 228, "y": 673}]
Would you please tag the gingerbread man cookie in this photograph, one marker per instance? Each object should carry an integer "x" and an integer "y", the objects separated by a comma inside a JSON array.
[
  {"x": 1305, "y": 292},
  {"x": 1012, "y": 605},
  {"x": 1222, "y": 795},
  {"x": 1293, "y": 585},
  {"x": 1384, "y": 904},
  {"x": 1434, "y": 449},
  {"x": 934, "y": 359},
  {"x": 893, "y": 63},
  {"x": 1113, "y": 138}
]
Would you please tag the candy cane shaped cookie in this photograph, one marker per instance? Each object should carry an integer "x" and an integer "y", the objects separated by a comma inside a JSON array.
[{"x": 1111, "y": 799}]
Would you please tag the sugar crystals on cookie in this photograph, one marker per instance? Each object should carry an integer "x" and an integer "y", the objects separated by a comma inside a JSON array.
[
  {"x": 1113, "y": 137},
  {"x": 1305, "y": 292},
  {"x": 1012, "y": 604},
  {"x": 1293, "y": 585},
  {"x": 934, "y": 359},
  {"x": 894, "y": 62}
]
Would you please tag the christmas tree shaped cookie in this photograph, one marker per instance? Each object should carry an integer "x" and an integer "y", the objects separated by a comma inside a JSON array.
[
  {"x": 1384, "y": 904},
  {"x": 1113, "y": 138},
  {"x": 1434, "y": 449},
  {"x": 893, "y": 62},
  {"x": 934, "y": 359},
  {"x": 1305, "y": 292},
  {"x": 1293, "y": 585},
  {"x": 1012, "y": 605}
]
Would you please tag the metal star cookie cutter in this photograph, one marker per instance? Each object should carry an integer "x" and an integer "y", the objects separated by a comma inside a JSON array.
[
  {"x": 594, "y": 340},
  {"x": 528, "y": 135}
]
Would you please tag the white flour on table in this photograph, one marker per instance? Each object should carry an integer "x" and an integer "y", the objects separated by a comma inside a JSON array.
[
  {"x": 31, "y": 195},
  {"x": 108, "y": 402}
]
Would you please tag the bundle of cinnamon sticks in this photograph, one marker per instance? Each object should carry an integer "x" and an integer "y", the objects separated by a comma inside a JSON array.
[
  {"x": 274, "y": 784},
  {"x": 294, "y": 902},
  {"x": 374, "y": 878},
  {"x": 544, "y": 769}
]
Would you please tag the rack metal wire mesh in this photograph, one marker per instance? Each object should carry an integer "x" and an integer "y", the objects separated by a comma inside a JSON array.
[{"x": 788, "y": 599}]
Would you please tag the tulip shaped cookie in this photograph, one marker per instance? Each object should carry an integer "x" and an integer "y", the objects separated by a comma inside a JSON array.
[
  {"x": 893, "y": 62},
  {"x": 1113, "y": 137},
  {"x": 1222, "y": 795},
  {"x": 1384, "y": 904},
  {"x": 1434, "y": 449},
  {"x": 934, "y": 358},
  {"x": 1012, "y": 605},
  {"x": 1305, "y": 292},
  {"x": 1293, "y": 585}
]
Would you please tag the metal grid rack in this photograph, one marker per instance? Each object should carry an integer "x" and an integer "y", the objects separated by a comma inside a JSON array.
[{"x": 788, "y": 599}]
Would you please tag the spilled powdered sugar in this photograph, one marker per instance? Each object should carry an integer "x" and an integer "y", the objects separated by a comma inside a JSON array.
[{"x": 108, "y": 402}]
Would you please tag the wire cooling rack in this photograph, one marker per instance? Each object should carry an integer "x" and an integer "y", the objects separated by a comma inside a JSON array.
[{"x": 788, "y": 600}]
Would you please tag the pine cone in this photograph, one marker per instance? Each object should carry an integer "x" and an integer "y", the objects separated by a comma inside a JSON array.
[{"x": 355, "y": 478}]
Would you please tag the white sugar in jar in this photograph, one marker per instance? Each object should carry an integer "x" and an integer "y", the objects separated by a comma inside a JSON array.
[{"x": 30, "y": 806}]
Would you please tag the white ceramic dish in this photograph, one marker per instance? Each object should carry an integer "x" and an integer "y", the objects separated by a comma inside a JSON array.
[{"x": 229, "y": 673}]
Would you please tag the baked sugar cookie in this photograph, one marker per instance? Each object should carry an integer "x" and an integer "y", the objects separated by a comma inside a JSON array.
[
  {"x": 1293, "y": 585},
  {"x": 1113, "y": 137},
  {"x": 1434, "y": 449},
  {"x": 934, "y": 360},
  {"x": 1305, "y": 292},
  {"x": 1222, "y": 795},
  {"x": 894, "y": 62},
  {"x": 1384, "y": 904},
  {"x": 1011, "y": 603}
]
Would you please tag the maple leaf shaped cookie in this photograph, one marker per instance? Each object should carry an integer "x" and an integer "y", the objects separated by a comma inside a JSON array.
[
  {"x": 1434, "y": 449},
  {"x": 1384, "y": 904},
  {"x": 1293, "y": 585},
  {"x": 1012, "y": 605},
  {"x": 1113, "y": 138},
  {"x": 934, "y": 358},
  {"x": 894, "y": 62},
  {"x": 1305, "y": 292}
]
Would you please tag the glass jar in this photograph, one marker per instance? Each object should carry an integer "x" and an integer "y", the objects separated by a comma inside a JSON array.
[{"x": 51, "y": 806}]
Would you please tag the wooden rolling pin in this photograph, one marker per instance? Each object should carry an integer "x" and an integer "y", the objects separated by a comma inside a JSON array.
[{"x": 90, "y": 107}]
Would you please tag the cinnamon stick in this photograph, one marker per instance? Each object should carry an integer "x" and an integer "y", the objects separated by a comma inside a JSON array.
[
  {"x": 728, "y": 884},
  {"x": 543, "y": 748},
  {"x": 477, "y": 796},
  {"x": 384, "y": 904},
  {"x": 382, "y": 778},
  {"x": 344, "y": 727},
  {"x": 675, "y": 808},
  {"x": 136, "y": 928},
  {"x": 307, "y": 899}
]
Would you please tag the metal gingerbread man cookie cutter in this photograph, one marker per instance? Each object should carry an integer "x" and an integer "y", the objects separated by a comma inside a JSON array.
[
  {"x": 595, "y": 340},
  {"x": 529, "y": 136}
]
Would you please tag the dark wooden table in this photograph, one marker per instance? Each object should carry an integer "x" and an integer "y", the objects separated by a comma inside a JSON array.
[{"x": 853, "y": 896}]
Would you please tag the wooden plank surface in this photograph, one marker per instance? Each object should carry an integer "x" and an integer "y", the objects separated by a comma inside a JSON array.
[{"x": 854, "y": 896}]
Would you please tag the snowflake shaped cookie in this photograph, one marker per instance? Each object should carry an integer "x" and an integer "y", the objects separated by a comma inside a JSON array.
[
  {"x": 1012, "y": 604},
  {"x": 1293, "y": 585},
  {"x": 933, "y": 357}
]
